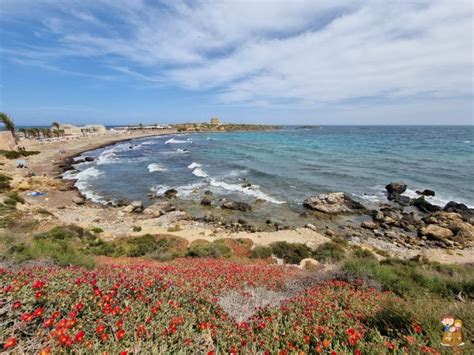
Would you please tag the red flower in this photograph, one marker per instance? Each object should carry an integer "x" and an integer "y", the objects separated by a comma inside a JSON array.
[
  {"x": 119, "y": 323},
  {"x": 39, "y": 294},
  {"x": 417, "y": 328},
  {"x": 79, "y": 336},
  {"x": 38, "y": 284},
  {"x": 48, "y": 322},
  {"x": 38, "y": 312},
  {"x": 120, "y": 334},
  {"x": 10, "y": 343},
  {"x": 16, "y": 304},
  {"x": 100, "y": 329}
]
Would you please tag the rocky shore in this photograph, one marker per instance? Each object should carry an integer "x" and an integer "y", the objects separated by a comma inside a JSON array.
[{"x": 403, "y": 227}]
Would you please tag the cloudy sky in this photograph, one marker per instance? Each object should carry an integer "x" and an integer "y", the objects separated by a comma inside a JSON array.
[{"x": 290, "y": 62}]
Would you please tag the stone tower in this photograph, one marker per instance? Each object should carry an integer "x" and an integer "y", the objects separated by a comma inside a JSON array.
[{"x": 215, "y": 121}]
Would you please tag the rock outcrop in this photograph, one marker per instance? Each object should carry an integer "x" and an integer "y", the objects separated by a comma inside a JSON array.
[
  {"x": 134, "y": 207},
  {"x": 333, "y": 203},
  {"x": 235, "y": 205}
]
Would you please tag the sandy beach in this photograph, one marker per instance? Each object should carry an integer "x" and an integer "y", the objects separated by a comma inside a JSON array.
[{"x": 60, "y": 201}]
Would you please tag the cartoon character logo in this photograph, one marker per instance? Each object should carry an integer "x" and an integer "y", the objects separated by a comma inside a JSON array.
[{"x": 452, "y": 334}]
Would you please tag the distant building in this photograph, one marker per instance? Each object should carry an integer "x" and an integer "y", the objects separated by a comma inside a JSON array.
[
  {"x": 94, "y": 128},
  {"x": 69, "y": 129},
  {"x": 215, "y": 121}
]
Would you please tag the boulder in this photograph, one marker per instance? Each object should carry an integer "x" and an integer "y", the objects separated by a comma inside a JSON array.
[
  {"x": 234, "y": 205},
  {"x": 309, "y": 264},
  {"x": 206, "y": 201},
  {"x": 369, "y": 225},
  {"x": 134, "y": 207},
  {"x": 79, "y": 200},
  {"x": 425, "y": 192},
  {"x": 89, "y": 159},
  {"x": 171, "y": 193},
  {"x": 378, "y": 216},
  {"x": 424, "y": 206},
  {"x": 334, "y": 202},
  {"x": 396, "y": 187},
  {"x": 434, "y": 231},
  {"x": 460, "y": 208},
  {"x": 400, "y": 199},
  {"x": 312, "y": 227}
]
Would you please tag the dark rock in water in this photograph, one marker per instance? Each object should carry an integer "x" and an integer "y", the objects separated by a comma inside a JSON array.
[
  {"x": 424, "y": 205},
  {"x": 208, "y": 193},
  {"x": 425, "y": 192},
  {"x": 400, "y": 199},
  {"x": 206, "y": 201},
  {"x": 171, "y": 193},
  {"x": 121, "y": 203},
  {"x": 246, "y": 186},
  {"x": 88, "y": 159},
  {"x": 460, "y": 208},
  {"x": 234, "y": 205},
  {"x": 396, "y": 187}
]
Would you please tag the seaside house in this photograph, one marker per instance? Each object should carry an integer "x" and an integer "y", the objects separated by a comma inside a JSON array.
[
  {"x": 94, "y": 129},
  {"x": 71, "y": 130}
]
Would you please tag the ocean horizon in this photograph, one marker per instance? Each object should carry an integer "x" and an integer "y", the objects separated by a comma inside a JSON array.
[{"x": 287, "y": 165}]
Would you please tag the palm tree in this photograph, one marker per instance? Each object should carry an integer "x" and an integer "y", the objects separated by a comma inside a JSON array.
[
  {"x": 9, "y": 124},
  {"x": 24, "y": 131},
  {"x": 56, "y": 125}
]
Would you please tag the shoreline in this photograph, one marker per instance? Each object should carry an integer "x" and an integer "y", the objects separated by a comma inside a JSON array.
[{"x": 170, "y": 216}]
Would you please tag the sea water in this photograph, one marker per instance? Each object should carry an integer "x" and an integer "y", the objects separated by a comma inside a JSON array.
[{"x": 287, "y": 165}]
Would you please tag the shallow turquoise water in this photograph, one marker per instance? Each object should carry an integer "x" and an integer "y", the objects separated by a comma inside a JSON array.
[{"x": 289, "y": 164}]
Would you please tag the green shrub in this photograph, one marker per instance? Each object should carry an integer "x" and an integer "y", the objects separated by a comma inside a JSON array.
[
  {"x": 359, "y": 252},
  {"x": 16, "y": 154},
  {"x": 97, "y": 230},
  {"x": 210, "y": 250},
  {"x": 291, "y": 253},
  {"x": 165, "y": 247},
  {"x": 329, "y": 251},
  {"x": 137, "y": 228},
  {"x": 4, "y": 183},
  {"x": 13, "y": 198},
  {"x": 261, "y": 252},
  {"x": 405, "y": 277},
  {"x": 62, "y": 252},
  {"x": 69, "y": 232}
]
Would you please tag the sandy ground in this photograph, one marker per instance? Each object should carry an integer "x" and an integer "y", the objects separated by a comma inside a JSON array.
[{"x": 61, "y": 210}]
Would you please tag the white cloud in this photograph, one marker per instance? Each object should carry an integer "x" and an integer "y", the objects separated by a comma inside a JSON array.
[{"x": 305, "y": 53}]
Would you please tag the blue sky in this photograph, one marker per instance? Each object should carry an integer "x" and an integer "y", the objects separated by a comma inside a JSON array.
[{"x": 286, "y": 62}]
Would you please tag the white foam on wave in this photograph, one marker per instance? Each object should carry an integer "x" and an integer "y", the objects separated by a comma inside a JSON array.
[
  {"x": 247, "y": 191},
  {"x": 178, "y": 141},
  {"x": 439, "y": 199},
  {"x": 199, "y": 172},
  {"x": 156, "y": 167},
  {"x": 194, "y": 165},
  {"x": 183, "y": 190},
  {"x": 83, "y": 183},
  {"x": 467, "y": 142}
]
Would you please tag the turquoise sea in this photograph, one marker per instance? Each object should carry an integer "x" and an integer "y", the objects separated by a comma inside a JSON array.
[{"x": 287, "y": 165}]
